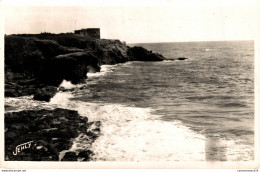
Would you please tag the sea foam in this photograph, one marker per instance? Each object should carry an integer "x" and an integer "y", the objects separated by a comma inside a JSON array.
[
  {"x": 104, "y": 69},
  {"x": 67, "y": 84},
  {"x": 131, "y": 133},
  {"x": 135, "y": 134}
]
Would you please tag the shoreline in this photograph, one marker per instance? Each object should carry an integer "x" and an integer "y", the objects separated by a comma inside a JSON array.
[
  {"x": 97, "y": 145},
  {"x": 100, "y": 145},
  {"x": 36, "y": 65}
]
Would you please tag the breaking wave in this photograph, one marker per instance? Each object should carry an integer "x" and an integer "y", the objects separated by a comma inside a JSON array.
[{"x": 137, "y": 134}]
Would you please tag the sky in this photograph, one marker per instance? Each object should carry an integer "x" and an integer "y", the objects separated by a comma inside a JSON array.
[{"x": 138, "y": 21}]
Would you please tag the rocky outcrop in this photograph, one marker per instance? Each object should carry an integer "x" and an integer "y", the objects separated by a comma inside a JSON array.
[
  {"x": 182, "y": 58},
  {"x": 48, "y": 59},
  {"x": 178, "y": 58},
  {"x": 40, "y": 135},
  {"x": 45, "y": 93},
  {"x": 141, "y": 54}
]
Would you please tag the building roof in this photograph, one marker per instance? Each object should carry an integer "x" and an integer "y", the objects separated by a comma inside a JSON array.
[{"x": 88, "y": 29}]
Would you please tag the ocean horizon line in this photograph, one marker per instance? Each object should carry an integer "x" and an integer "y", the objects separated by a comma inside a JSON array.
[{"x": 189, "y": 41}]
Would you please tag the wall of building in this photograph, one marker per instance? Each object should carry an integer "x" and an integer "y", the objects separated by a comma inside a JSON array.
[{"x": 91, "y": 32}]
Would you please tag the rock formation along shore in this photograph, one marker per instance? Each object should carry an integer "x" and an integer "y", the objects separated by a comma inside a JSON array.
[{"x": 36, "y": 64}]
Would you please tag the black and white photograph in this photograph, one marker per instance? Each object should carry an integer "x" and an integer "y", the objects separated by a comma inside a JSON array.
[{"x": 144, "y": 82}]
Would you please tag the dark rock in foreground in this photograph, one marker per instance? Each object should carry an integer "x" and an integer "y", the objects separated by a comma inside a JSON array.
[
  {"x": 40, "y": 135},
  {"x": 45, "y": 94},
  {"x": 82, "y": 156}
]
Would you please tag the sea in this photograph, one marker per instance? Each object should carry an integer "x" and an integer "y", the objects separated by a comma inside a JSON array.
[{"x": 198, "y": 109}]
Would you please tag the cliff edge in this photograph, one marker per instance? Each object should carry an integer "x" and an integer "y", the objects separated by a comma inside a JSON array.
[{"x": 35, "y": 64}]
